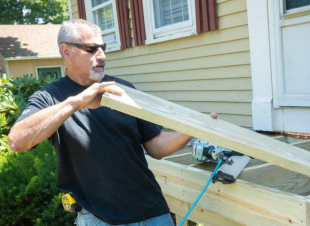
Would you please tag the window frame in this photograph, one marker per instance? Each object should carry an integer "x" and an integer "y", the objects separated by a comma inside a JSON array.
[
  {"x": 49, "y": 66},
  {"x": 293, "y": 12},
  {"x": 90, "y": 17},
  {"x": 169, "y": 32}
]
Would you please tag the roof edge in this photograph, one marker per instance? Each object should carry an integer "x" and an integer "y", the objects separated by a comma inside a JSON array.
[{"x": 31, "y": 57}]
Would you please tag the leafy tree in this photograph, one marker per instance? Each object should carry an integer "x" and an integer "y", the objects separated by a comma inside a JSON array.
[{"x": 32, "y": 11}]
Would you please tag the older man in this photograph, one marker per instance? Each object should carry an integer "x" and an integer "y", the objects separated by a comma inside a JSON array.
[{"x": 100, "y": 158}]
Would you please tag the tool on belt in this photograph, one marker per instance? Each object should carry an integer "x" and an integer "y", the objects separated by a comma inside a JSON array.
[{"x": 70, "y": 204}]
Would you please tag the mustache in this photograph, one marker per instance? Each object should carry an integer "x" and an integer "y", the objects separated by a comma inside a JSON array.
[{"x": 99, "y": 64}]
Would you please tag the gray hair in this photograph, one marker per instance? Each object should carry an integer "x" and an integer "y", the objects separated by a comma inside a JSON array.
[{"x": 70, "y": 31}]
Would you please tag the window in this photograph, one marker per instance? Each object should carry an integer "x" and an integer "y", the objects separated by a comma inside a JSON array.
[
  {"x": 103, "y": 13},
  {"x": 292, "y": 4},
  {"x": 53, "y": 71},
  {"x": 169, "y": 19},
  {"x": 168, "y": 12},
  {"x": 295, "y": 8}
]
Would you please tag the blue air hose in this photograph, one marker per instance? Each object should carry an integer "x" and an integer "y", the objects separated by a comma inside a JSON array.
[{"x": 201, "y": 193}]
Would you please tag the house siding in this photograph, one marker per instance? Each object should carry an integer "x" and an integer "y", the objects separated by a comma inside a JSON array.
[
  {"x": 2, "y": 64},
  {"x": 18, "y": 68},
  {"x": 74, "y": 8},
  {"x": 206, "y": 72}
]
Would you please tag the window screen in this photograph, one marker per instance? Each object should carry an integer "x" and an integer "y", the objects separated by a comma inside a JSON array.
[
  {"x": 168, "y": 12},
  {"x": 292, "y": 4},
  {"x": 104, "y": 17}
]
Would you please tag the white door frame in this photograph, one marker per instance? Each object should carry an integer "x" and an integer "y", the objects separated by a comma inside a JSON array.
[
  {"x": 266, "y": 61},
  {"x": 262, "y": 104}
]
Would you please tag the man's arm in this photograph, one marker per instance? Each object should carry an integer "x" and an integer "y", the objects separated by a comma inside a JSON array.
[
  {"x": 29, "y": 132},
  {"x": 166, "y": 143}
]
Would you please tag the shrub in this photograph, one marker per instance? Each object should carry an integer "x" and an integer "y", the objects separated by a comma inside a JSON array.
[
  {"x": 28, "y": 194},
  {"x": 14, "y": 95}
]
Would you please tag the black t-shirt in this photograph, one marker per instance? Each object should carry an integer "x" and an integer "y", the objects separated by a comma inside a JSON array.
[{"x": 100, "y": 157}]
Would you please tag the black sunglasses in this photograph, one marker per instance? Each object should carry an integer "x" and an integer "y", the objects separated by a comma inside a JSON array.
[{"x": 87, "y": 47}]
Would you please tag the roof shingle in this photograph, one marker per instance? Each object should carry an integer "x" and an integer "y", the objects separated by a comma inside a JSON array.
[{"x": 29, "y": 40}]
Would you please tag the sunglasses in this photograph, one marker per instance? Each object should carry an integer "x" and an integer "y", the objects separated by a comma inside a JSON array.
[{"x": 87, "y": 47}]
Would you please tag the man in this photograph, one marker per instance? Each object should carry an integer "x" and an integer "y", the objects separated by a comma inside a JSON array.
[{"x": 100, "y": 157}]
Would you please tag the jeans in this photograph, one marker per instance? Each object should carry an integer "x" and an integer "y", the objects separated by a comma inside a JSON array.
[{"x": 85, "y": 218}]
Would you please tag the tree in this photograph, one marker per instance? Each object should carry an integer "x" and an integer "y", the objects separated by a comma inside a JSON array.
[{"x": 33, "y": 11}]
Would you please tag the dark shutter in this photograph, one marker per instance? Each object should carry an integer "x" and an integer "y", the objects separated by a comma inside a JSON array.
[
  {"x": 123, "y": 23},
  {"x": 205, "y": 15},
  {"x": 138, "y": 22},
  {"x": 81, "y": 8}
]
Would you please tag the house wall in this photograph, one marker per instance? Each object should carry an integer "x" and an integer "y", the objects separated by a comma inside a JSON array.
[
  {"x": 206, "y": 72},
  {"x": 74, "y": 8},
  {"x": 2, "y": 64},
  {"x": 18, "y": 68}
]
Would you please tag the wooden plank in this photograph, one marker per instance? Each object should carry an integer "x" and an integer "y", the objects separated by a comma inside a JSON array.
[
  {"x": 305, "y": 144},
  {"x": 198, "y": 215},
  {"x": 255, "y": 167},
  {"x": 279, "y": 138},
  {"x": 178, "y": 118},
  {"x": 176, "y": 156},
  {"x": 274, "y": 177},
  {"x": 178, "y": 220},
  {"x": 242, "y": 202}
]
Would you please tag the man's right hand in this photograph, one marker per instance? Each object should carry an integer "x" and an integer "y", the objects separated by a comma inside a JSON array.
[{"x": 91, "y": 97}]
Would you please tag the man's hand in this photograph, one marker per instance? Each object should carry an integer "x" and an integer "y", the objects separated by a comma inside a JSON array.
[
  {"x": 213, "y": 115},
  {"x": 91, "y": 97}
]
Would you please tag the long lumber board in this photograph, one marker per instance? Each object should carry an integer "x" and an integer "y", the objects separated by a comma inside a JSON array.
[{"x": 196, "y": 124}]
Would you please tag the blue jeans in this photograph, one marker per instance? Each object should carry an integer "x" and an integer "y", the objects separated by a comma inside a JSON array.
[{"x": 85, "y": 218}]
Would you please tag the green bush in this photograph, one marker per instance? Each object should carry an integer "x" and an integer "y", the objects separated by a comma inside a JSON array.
[
  {"x": 28, "y": 194},
  {"x": 14, "y": 95}
]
